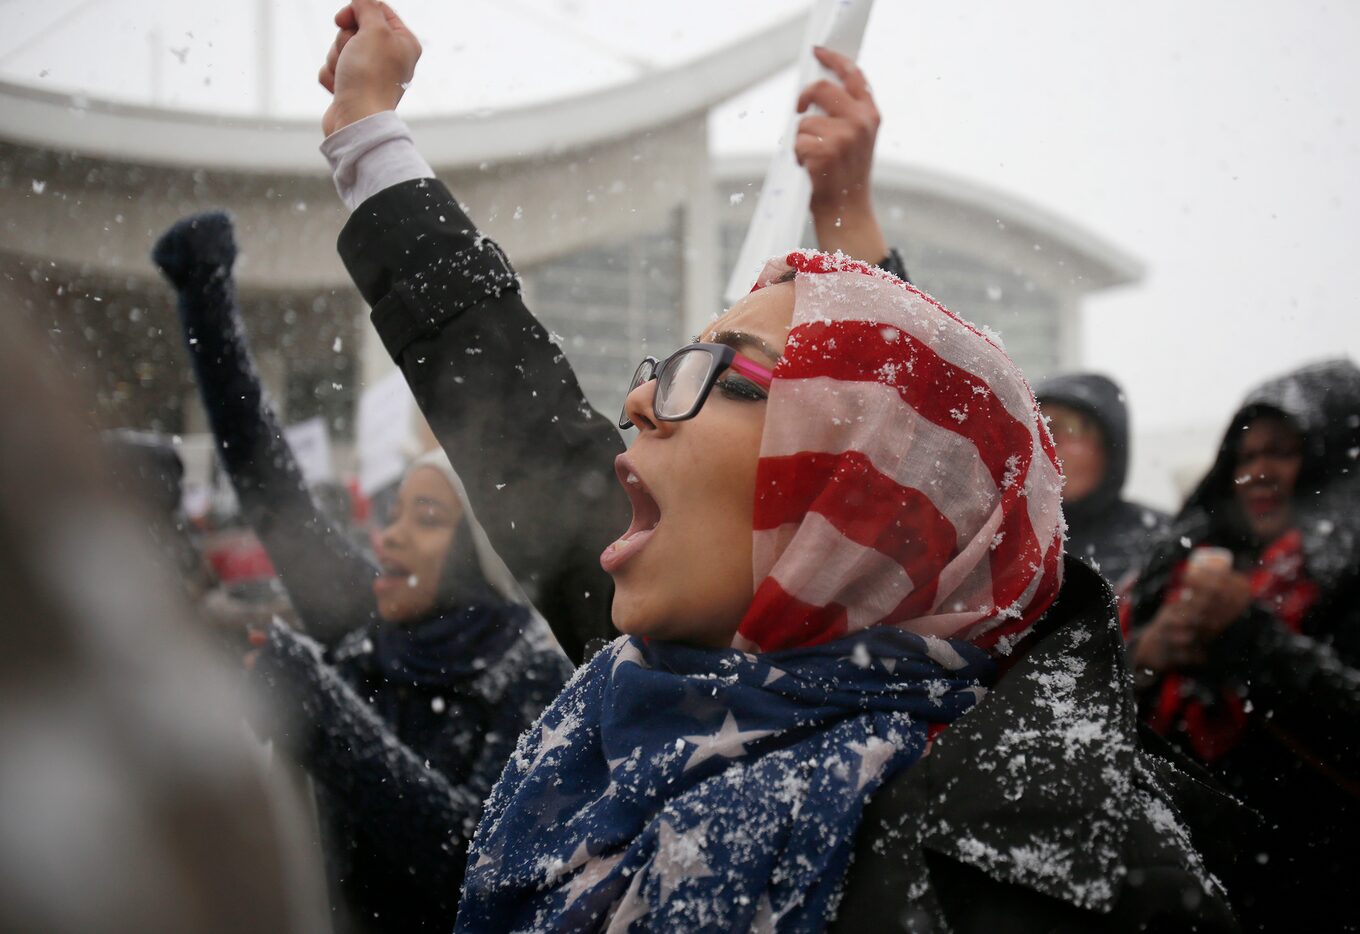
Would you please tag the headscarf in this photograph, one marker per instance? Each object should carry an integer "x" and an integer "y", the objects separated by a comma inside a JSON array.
[
  {"x": 494, "y": 571},
  {"x": 481, "y": 613},
  {"x": 700, "y": 789},
  {"x": 927, "y": 497}
]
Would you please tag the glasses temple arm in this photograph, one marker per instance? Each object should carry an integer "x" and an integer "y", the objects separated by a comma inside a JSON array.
[{"x": 752, "y": 370}]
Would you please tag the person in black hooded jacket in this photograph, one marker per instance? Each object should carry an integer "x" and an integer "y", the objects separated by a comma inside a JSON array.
[
  {"x": 420, "y": 671},
  {"x": 1246, "y": 634},
  {"x": 1090, "y": 423}
]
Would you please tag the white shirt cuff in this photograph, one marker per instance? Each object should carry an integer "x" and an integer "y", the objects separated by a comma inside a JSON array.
[{"x": 371, "y": 154}]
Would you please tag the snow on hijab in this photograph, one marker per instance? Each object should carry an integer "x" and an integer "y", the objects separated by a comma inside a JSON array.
[
  {"x": 907, "y": 529},
  {"x": 929, "y": 499}
]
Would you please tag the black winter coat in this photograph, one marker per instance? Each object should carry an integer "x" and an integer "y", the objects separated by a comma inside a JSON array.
[
  {"x": 1108, "y": 532},
  {"x": 403, "y": 732},
  {"x": 1040, "y": 799},
  {"x": 1298, "y": 762}
]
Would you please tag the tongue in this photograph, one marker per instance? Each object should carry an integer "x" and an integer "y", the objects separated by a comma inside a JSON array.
[{"x": 618, "y": 553}]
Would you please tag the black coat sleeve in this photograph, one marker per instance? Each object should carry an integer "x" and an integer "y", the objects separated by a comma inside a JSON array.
[
  {"x": 894, "y": 264},
  {"x": 536, "y": 459},
  {"x": 328, "y": 579},
  {"x": 403, "y": 804}
]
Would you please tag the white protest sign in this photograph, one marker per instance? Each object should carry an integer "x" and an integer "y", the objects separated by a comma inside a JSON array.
[
  {"x": 782, "y": 209},
  {"x": 383, "y": 431},
  {"x": 311, "y": 444}
]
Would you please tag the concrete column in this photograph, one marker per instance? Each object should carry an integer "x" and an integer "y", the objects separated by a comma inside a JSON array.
[
  {"x": 1071, "y": 352},
  {"x": 374, "y": 360},
  {"x": 699, "y": 231}
]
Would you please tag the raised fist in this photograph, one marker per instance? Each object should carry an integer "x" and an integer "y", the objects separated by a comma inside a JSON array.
[{"x": 369, "y": 65}]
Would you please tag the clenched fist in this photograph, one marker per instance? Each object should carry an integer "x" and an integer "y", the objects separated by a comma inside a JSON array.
[{"x": 369, "y": 65}]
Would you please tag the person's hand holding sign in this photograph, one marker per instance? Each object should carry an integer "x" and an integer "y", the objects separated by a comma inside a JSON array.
[{"x": 837, "y": 149}]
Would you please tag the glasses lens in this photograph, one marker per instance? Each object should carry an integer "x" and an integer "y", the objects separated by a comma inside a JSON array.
[
  {"x": 678, "y": 389},
  {"x": 640, "y": 376}
]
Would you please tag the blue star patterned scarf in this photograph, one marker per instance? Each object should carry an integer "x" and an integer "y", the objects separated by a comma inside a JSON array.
[{"x": 677, "y": 788}]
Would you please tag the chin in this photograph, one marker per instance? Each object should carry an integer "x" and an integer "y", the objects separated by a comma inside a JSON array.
[
  {"x": 630, "y": 615},
  {"x": 398, "y": 614},
  {"x": 1267, "y": 531}
]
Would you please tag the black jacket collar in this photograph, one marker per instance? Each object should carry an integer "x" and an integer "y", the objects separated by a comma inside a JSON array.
[{"x": 1034, "y": 786}]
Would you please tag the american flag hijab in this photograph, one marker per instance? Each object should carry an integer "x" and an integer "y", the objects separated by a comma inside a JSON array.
[
  {"x": 927, "y": 495},
  {"x": 907, "y": 531}
]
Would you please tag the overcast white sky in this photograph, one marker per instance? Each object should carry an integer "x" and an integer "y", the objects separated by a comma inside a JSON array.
[{"x": 1216, "y": 141}]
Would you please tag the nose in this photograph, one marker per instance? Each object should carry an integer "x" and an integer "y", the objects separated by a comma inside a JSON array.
[
  {"x": 390, "y": 537},
  {"x": 641, "y": 408},
  {"x": 1258, "y": 468}
]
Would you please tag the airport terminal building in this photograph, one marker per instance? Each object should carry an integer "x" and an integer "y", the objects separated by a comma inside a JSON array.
[{"x": 620, "y": 221}]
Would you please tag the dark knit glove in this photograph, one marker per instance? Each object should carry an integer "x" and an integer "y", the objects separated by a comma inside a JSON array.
[
  {"x": 197, "y": 250},
  {"x": 292, "y": 679}
]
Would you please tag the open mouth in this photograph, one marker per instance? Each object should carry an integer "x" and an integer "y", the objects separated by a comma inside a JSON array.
[
  {"x": 646, "y": 517},
  {"x": 1263, "y": 502},
  {"x": 394, "y": 576}
]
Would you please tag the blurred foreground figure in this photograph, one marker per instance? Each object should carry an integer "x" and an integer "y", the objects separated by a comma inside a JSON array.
[
  {"x": 1090, "y": 424},
  {"x": 1246, "y": 637},
  {"x": 146, "y": 467},
  {"x": 131, "y": 797}
]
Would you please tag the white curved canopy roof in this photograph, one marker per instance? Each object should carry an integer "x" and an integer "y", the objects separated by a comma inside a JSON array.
[
  {"x": 1104, "y": 265},
  {"x": 195, "y": 83}
]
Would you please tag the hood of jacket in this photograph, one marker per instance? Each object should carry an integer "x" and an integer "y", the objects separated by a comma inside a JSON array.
[
  {"x": 1102, "y": 399},
  {"x": 1322, "y": 400}
]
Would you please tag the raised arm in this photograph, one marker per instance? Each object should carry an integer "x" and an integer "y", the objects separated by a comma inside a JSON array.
[
  {"x": 327, "y": 578},
  {"x": 536, "y": 459},
  {"x": 837, "y": 149}
]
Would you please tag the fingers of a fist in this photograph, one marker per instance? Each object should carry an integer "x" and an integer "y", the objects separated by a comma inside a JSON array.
[
  {"x": 341, "y": 40},
  {"x": 393, "y": 20},
  {"x": 369, "y": 12}
]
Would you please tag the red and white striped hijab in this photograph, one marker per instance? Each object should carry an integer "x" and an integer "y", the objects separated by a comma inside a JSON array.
[{"x": 905, "y": 476}]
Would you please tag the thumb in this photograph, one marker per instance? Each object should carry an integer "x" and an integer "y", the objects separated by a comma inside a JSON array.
[{"x": 368, "y": 13}]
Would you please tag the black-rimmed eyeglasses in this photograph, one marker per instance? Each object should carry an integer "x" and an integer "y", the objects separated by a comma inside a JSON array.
[{"x": 685, "y": 378}]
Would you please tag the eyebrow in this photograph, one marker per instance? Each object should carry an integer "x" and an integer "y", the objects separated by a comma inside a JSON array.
[{"x": 740, "y": 340}]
